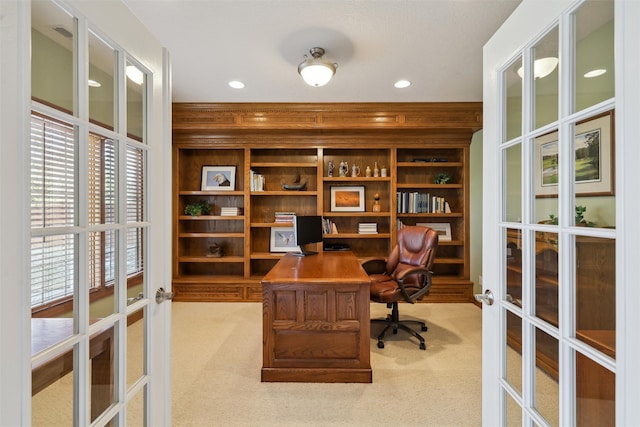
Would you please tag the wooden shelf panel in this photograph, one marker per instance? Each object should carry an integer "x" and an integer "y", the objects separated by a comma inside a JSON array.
[
  {"x": 429, "y": 164},
  {"x": 350, "y": 179},
  {"x": 428, "y": 186},
  {"x": 204, "y": 259},
  {"x": 208, "y": 235},
  {"x": 210, "y": 193},
  {"x": 449, "y": 260},
  {"x": 210, "y": 218},
  {"x": 213, "y": 279},
  {"x": 284, "y": 193},
  {"x": 283, "y": 165},
  {"x": 271, "y": 224},
  {"x": 357, "y": 214},
  {"x": 357, "y": 236},
  {"x": 267, "y": 255}
]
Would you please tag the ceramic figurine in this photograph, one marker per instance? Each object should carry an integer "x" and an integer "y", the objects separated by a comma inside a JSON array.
[{"x": 330, "y": 168}]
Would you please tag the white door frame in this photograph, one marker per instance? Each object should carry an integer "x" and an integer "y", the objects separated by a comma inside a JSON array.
[{"x": 526, "y": 22}]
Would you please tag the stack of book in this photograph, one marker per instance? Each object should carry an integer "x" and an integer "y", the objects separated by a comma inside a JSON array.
[
  {"x": 367, "y": 228},
  {"x": 229, "y": 211},
  {"x": 284, "y": 217},
  {"x": 329, "y": 227}
]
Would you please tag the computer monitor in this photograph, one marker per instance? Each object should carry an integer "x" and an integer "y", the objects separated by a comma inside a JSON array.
[{"x": 307, "y": 230}]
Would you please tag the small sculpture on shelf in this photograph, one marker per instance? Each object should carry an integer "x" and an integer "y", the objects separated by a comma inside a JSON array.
[
  {"x": 355, "y": 171},
  {"x": 442, "y": 178},
  {"x": 297, "y": 185},
  {"x": 376, "y": 203},
  {"x": 198, "y": 208},
  {"x": 344, "y": 168},
  {"x": 376, "y": 171},
  {"x": 330, "y": 168},
  {"x": 215, "y": 251}
]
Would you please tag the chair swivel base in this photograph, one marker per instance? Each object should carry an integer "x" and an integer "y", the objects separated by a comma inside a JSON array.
[{"x": 392, "y": 321}]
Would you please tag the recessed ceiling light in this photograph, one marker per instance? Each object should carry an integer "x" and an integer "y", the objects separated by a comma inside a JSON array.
[
  {"x": 93, "y": 83},
  {"x": 594, "y": 73},
  {"x": 236, "y": 84},
  {"x": 541, "y": 67},
  {"x": 401, "y": 84}
]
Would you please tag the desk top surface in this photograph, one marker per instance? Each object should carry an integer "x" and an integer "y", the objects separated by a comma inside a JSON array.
[{"x": 324, "y": 267}]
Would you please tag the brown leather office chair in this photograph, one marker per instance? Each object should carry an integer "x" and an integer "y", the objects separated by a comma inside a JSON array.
[{"x": 404, "y": 276}]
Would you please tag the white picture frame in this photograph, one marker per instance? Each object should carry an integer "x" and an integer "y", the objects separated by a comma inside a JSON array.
[
  {"x": 282, "y": 240},
  {"x": 347, "y": 198},
  {"x": 218, "y": 178},
  {"x": 443, "y": 229}
]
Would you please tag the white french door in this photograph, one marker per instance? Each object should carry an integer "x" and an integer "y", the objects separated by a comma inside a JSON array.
[
  {"x": 560, "y": 102},
  {"x": 85, "y": 151}
]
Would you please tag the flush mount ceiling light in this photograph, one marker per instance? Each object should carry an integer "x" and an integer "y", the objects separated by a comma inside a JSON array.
[
  {"x": 541, "y": 67},
  {"x": 401, "y": 84},
  {"x": 316, "y": 71},
  {"x": 236, "y": 84},
  {"x": 135, "y": 75}
]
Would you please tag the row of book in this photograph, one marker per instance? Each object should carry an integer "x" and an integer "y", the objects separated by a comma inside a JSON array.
[
  {"x": 415, "y": 202},
  {"x": 256, "y": 180},
  {"x": 329, "y": 227}
]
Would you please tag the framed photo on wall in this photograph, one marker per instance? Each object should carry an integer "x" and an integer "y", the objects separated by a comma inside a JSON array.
[
  {"x": 347, "y": 199},
  {"x": 594, "y": 148},
  {"x": 218, "y": 178}
]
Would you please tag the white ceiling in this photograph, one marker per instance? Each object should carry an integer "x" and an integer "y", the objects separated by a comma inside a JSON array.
[{"x": 436, "y": 44}]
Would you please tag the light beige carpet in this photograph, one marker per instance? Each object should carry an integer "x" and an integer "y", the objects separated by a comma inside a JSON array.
[{"x": 217, "y": 356}]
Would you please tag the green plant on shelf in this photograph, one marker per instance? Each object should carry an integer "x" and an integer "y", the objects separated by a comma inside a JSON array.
[
  {"x": 442, "y": 178},
  {"x": 198, "y": 208}
]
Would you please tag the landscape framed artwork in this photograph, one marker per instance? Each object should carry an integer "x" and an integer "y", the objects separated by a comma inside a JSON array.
[
  {"x": 218, "y": 178},
  {"x": 594, "y": 153},
  {"x": 282, "y": 240},
  {"x": 347, "y": 198}
]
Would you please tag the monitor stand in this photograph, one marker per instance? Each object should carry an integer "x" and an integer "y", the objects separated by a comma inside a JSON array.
[{"x": 304, "y": 252}]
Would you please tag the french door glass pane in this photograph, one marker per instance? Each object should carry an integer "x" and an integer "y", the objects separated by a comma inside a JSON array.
[
  {"x": 594, "y": 53},
  {"x": 546, "y": 174},
  {"x": 102, "y": 185},
  {"x": 53, "y": 270},
  {"x": 102, "y": 272},
  {"x": 545, "y": 73},
  {"x": 595, "y": 282},
  {"x": 52, "y": 39},
  {"x": 513, "y": 267},
  {"x": 52, "y": 395},
  {"x": 135, "y": 347},
  {"x": 513, "y": 183},
  {"x": 102, "y": 85},
  {"x": 546, "y": 276},
  {"x": 53, "y": 173},
  {"x": 546, "y": 377},
  {"x": 513, "y": 101},
  {"x": 136, "y": 83},
  {"x": 514, "y": 412},
  {"x": 595, "y": 394},
  {"x": 102, "y": 370},
  {"x": 513, "y": 369},
  {"x": 135, "y": 184}
]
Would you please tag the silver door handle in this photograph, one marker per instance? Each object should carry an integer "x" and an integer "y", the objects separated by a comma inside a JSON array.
[
  {"x": 162, "y": 295},
  {"x": 486, "y": 298}
]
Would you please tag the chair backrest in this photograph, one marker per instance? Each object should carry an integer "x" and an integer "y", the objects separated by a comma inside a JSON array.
[{"x": 416, "y": 247}]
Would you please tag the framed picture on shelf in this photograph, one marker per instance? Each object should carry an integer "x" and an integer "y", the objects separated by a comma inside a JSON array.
[
  {"x": 443, "y": 229},
  {"x": 593, "y": 146},
  {"x": 347, "y": 199},
  {"x": 218, "y": 178},
  {"x": 282, "y": 240}
]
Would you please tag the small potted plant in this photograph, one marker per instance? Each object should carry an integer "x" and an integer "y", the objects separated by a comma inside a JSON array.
[
  {"x": 198, "y": 208},
  {"x": 442, "y": 178}
]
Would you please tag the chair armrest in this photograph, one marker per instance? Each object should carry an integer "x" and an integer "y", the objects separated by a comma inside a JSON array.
[
  {"x": 374, "y": 265},
  {"x": 410, "y": 272}
]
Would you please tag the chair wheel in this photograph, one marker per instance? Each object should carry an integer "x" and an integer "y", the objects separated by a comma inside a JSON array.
[
  {"x": 424, "y": 328},
  {"x": 380, "y": 344},
  {"x": 423, "y": 346}
]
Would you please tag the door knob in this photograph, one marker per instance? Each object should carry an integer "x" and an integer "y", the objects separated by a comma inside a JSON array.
[
  {"x": 486, "y": 298},
  {"x": 162, "y": 295}
]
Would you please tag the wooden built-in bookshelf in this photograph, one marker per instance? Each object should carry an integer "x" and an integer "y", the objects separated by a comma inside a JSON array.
[{"x": 288, "y": 143}]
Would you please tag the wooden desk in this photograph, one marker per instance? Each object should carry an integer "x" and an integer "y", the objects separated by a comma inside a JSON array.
[
  {"x": 47, "y": 331},
  {"x": 315, "y": 320}
]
